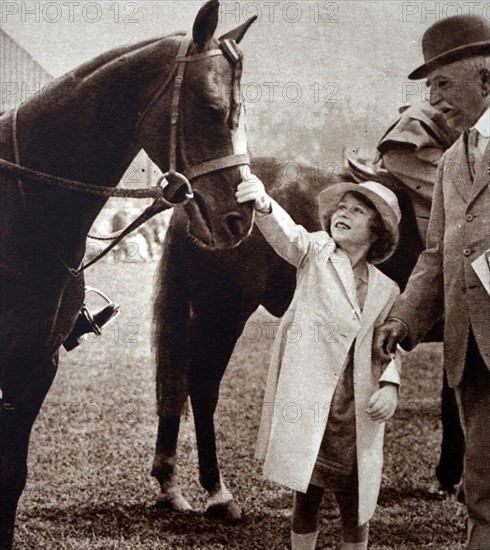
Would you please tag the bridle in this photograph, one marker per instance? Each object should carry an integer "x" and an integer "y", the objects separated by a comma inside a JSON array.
[{"x": 228, "y": 49}]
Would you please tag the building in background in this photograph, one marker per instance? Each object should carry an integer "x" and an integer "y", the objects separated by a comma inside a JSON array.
[{"x": 21, "y": 76}]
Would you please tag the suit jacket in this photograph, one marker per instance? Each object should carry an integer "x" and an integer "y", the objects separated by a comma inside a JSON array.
[
  {"x": 312, "y": 343},
  {"x": 443, "y": 279}
]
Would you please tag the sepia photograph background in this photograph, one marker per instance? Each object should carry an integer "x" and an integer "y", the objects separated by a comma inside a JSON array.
[{"x": 322, "y": 80}]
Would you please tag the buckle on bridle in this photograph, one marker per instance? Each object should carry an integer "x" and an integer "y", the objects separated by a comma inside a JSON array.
[
  {"x": 230, "y": 50},
  {"x": 91, "y": 323}
]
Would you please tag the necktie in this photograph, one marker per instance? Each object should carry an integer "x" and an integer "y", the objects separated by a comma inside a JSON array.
[
  {"x": 361, "y": 290},
  {"x": 474, "y": 153}
]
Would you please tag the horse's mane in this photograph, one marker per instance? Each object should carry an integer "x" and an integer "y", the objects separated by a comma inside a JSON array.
[
  {"x": 86, "y": 69},
  {"x": 93, "y": 71}
]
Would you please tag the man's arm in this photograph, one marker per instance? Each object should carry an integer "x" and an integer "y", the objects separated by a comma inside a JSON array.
[{"x": 422, "y": 303}]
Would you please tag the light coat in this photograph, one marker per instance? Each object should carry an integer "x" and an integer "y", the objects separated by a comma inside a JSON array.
[
  {"x": 314, "y": 338},
  {"x": 443, "y": 280}
]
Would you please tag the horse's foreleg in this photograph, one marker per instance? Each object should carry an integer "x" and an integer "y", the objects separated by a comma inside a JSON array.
[
  {"x": 211, "y": 351},
  {"x": 220, "y": 503},
  {"x": 13, "y": 469},
  {"x": 164, "y": 465},
  {"x": 18, "y": 411}
]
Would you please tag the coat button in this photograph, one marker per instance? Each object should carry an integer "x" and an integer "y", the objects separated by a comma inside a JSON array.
[
  {"x": 469, "y": 217},
  {"x": 466, "y": 251}
]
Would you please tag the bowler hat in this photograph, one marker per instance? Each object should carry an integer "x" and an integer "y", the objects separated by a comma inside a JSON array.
[
  {"x": 382, "y": 198},
  {"x": 451, "y": 40}
]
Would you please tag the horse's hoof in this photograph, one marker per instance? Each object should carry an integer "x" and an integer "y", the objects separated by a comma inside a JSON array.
[
  {"x": 176, "y": 502},
  {"x": 226, "y": 511}
]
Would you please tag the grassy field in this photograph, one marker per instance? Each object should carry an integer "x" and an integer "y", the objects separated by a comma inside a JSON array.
[{"x": 89, "y": 485}]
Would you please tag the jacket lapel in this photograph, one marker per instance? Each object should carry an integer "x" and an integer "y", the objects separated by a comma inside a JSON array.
[
  {"x": 482, "y": 176},
  {"x": 376, "y": 299},
  {"x": 457, "y": 168}
]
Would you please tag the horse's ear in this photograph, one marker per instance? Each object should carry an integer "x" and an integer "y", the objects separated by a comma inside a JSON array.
[
  {"x": 206, "y": 22},
  {"x": 238, "y": 33}
]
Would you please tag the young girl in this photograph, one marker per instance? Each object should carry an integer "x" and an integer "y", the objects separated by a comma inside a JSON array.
[{"x": 326, "y": 397}]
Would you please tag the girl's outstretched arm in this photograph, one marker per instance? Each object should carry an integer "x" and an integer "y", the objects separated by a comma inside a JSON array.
[{"x": 290, "y": 240}]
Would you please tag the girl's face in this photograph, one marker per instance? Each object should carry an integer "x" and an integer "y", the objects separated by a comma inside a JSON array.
[{"x": 351, "y": 223}]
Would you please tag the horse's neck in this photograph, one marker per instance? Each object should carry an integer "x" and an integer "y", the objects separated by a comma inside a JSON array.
[{"x": 83, "y": 126}]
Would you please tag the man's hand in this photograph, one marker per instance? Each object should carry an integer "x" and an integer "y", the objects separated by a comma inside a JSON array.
[
  {"x": 252, "y": 189},
  {"x": 383, "y": 402},
  {"x": 386, "y": 338}
]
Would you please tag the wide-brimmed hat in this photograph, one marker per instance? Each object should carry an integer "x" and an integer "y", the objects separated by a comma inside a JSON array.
[
  {"x": 382, "y": 198},
  {"x": 451, "y": 40}
]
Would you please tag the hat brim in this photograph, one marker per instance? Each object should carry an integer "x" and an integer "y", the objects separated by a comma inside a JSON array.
[
  {"x": 446, "y": 58},
  {"x": 329, "y": 199}
]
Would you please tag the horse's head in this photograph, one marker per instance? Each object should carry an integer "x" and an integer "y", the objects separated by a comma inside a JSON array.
[{"x": 206, "y": 140}]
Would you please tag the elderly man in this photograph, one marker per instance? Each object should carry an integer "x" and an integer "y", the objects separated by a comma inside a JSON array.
[
  {"x": 457, "y": 68},
  {"x": 410, "y": 150}
]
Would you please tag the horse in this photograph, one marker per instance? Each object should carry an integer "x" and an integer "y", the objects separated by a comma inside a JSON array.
[
  {"x": 197, "y": 320},
  {"x": 62, "y": 153}
]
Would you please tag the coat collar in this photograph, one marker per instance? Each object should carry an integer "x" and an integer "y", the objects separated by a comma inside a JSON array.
[
  {"x": 343, "y": 268},
  {"x": 378, "y": 291},
  {"x": 482, "y": 176}
]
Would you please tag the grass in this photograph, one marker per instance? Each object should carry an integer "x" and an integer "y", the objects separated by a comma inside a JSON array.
[{"x": 91, "y": 450}]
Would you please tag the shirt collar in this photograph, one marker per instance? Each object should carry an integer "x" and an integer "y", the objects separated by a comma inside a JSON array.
[{"x": 482, "y": 125}]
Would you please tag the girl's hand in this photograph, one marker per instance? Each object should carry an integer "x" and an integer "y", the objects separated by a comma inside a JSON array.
[
  {"x": 252, "y": 189},
  {"x": 383, "y": 402}
]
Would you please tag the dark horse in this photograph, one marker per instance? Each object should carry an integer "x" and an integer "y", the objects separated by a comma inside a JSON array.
[
  {"x": 87, "y": 127},
  {"x": 198, "y": 319}
]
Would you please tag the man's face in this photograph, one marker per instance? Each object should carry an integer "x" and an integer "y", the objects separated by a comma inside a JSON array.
[{"x": 457, "y": 91}]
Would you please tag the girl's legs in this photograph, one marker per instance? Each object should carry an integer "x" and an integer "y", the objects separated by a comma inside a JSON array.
[
  {"x": 354, "y": 536},
  {"x": 304, "y": 526}
]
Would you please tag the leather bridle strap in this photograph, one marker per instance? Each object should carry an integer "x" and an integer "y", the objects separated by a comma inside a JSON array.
[
  {"x": 217, "y": 164},
  {"x": 155, "y": 208},
  {"x": 19, "y": 171},
  {"x": 205, "y": 167},
  {"x": 158, "y": 205}
]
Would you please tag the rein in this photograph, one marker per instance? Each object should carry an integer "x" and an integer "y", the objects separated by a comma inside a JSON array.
[
  {"x": 155, "y": 192},
  {"x": 160, "y": 203}
]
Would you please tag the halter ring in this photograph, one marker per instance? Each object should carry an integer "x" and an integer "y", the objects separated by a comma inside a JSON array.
[{"x": 188, "y": 195}]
